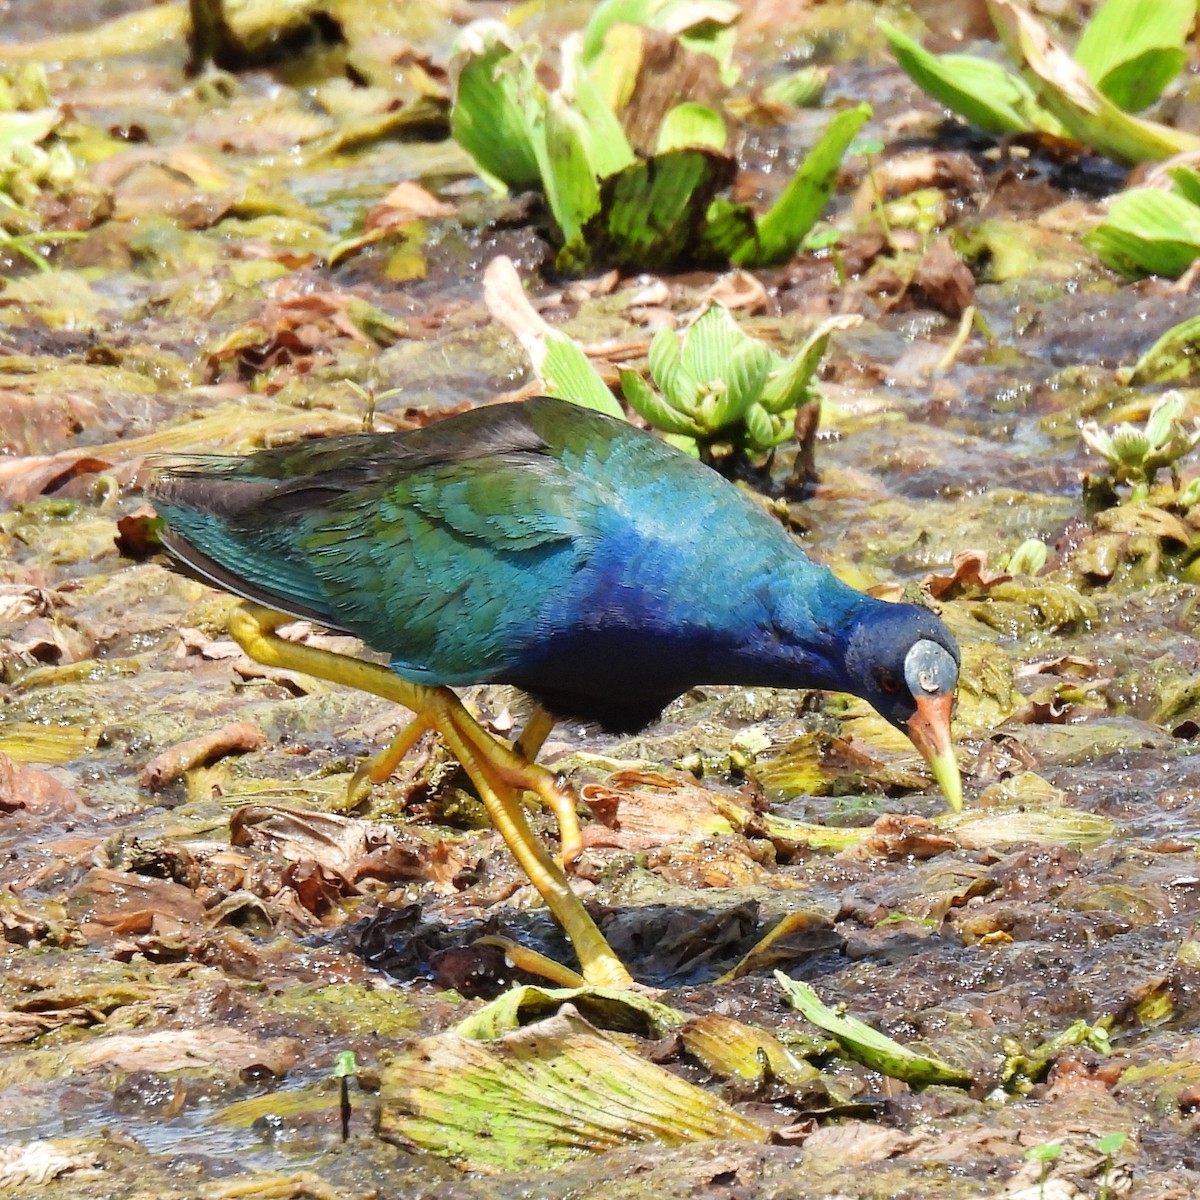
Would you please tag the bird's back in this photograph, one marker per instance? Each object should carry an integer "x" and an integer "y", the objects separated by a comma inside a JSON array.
[{"x": 540, "y": 544}]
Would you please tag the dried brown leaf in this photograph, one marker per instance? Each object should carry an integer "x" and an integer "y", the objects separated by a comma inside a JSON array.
[
  {"x": 179, "y": 1049},
  {"x": 504, "y": 295},
  {"x": 648, "y": 809},
  {"x": 238, "y": 738},
  {"x": 20, "y": 601},
  {"x": 35, "y": 791},
  {"x": 24, "y": 479},
  {"x": 26, "y": 1026},
  {"x": 944, "y": 279},
  {"x": 895, "y": 836},
  {"x": 351, "y": 848},
  {"x": 405, "y": 203},
  {"x": 135, "y": 537},
  {"x": 738, "y": 290},
  {"x": 970, "y": 571},
  {"x": 124, "y": 902}
]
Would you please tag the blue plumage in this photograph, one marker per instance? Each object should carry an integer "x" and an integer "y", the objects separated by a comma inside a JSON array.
[{"x": 550, "y": 547}]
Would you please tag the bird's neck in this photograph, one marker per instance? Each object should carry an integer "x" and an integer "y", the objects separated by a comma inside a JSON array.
[{"x": 800, "y": 638}]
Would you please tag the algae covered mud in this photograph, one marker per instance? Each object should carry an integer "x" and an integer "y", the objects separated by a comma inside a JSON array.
[{"x": 231, "y": 968}]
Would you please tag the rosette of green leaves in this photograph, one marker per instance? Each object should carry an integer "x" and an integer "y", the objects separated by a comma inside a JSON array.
[
  {"x": 716, "y": 383},
  {"x": 1136, "y": 454}
]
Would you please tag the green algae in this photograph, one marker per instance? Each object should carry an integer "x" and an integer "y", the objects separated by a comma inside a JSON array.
[{"x": 347, "y": 1008}]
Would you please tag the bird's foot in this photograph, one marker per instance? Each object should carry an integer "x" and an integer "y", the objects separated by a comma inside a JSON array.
[
  {"x": 383, "y": 765},
  {"x": 495, "y": 768},
  {"x": 521, "y": 958}
]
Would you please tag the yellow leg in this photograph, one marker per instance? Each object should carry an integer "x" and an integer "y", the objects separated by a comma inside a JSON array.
[
  {"x": 494, "y": 769},
  {"x": 533, "y": 736},
  {"x": 560, "y": 801},
  {"x": 525, "y": 774},
  {"x": 381, "y": 767}
]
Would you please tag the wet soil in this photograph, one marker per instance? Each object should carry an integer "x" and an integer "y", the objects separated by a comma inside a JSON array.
[{"x": 190, "y": 942}]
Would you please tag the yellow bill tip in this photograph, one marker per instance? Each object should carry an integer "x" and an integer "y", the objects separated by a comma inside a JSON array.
[{"x": 929, "y": 728}]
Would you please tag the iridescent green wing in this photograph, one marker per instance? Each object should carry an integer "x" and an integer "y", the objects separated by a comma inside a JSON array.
[{"x": 450, "y": 568}]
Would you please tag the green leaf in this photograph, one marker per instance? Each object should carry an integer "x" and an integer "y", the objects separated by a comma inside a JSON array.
[
  {"x": 566, "y": 372},
  {"x": 1028, "y": 558},
  {"x": 615, "y": 12},
  {"x": 543, "y": 1096},
  {"x": 1187, "y": 182},
  {"x": 744, "y": 1054},
  {"x": 709, "y": 344},
  {"x": 705, "y": 26},
  {"x": 646, "y": 401},
  {"x": 19, "y": 130},
  {"x": 781, "y": 229},
  {"x": 607, "y": 1008},
  {"x": 868, "y": 1046},
  {"x": 802, "y": 88},
  {"x": 1163, "y": 415},
  {"x": 746, "y": 375},
  {"x": 667, "y": 370},
  {"x": 615, "y": 69},
  {"x": 1001, "y": 828},
  {"x": 727, "y": 228},
  {"x": 609, "y": 150},
  {"x": 718, "y": 41},
  {"x": 650, "y": 212},
  {"x": 568, "y": 176},
  {"x": 789, "y": 385},
  {"x": 763, "y": 429},
  {"x": 979, "y": 90},
  {"x": 1174, "y": 357},
  {"x": 1138, "y": 83},
  {"x": 1148, "y": 232},
  {"x": 1044, "y": 1152},
  {"x": 496, "y": 102},
  {"x": 1132, "y": 49},
  {"x": 690, "y": 125},
  {"x": 1066, "y": 89}
]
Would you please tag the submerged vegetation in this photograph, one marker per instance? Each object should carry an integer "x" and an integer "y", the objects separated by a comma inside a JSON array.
[{"x": 231, "y": 968}]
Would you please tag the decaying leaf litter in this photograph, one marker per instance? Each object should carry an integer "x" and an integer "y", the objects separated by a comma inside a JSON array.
[{"x": 198, "y": 920}]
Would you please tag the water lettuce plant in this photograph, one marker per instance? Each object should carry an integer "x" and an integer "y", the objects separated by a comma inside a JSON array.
[
  {"x": 717, "y": 385},
  {"x": 628, "y": 180},
  {"x": 1136, "y": 454},
  {"x": 1128, "y": 53},
  {"x": 715, "y": 390},
  {"x": 1150, "y": 230}
]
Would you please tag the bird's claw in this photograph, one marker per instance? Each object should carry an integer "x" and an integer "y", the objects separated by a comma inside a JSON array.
[{"x": 359, "y": 787}]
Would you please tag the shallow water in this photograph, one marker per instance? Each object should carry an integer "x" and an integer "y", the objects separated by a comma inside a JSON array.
[{"x": 127, "y": 914}]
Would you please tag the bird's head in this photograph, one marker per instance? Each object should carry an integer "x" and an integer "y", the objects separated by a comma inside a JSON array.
[{"x": 904, "y": 662}]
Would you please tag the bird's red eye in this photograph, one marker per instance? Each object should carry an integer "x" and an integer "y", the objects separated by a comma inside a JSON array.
[{"x": 889, "y": 682}]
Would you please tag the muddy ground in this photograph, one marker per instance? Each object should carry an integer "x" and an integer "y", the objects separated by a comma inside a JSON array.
[{"x": 193, "y": 936}]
